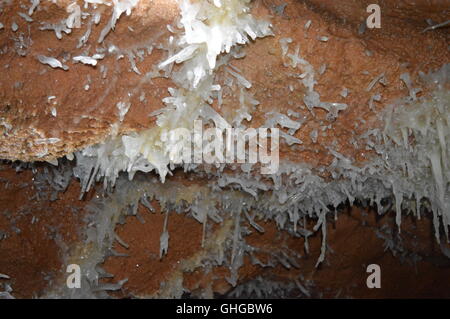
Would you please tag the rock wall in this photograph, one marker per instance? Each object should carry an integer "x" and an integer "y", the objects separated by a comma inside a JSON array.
[{"x": 79, "y": 80}]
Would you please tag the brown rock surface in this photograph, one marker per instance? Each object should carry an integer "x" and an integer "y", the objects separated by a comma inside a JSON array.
[
  {"x": 34, "y": 253},
  {"x": 36, "y": 232},
  {"x": 87, "y": 117}
]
